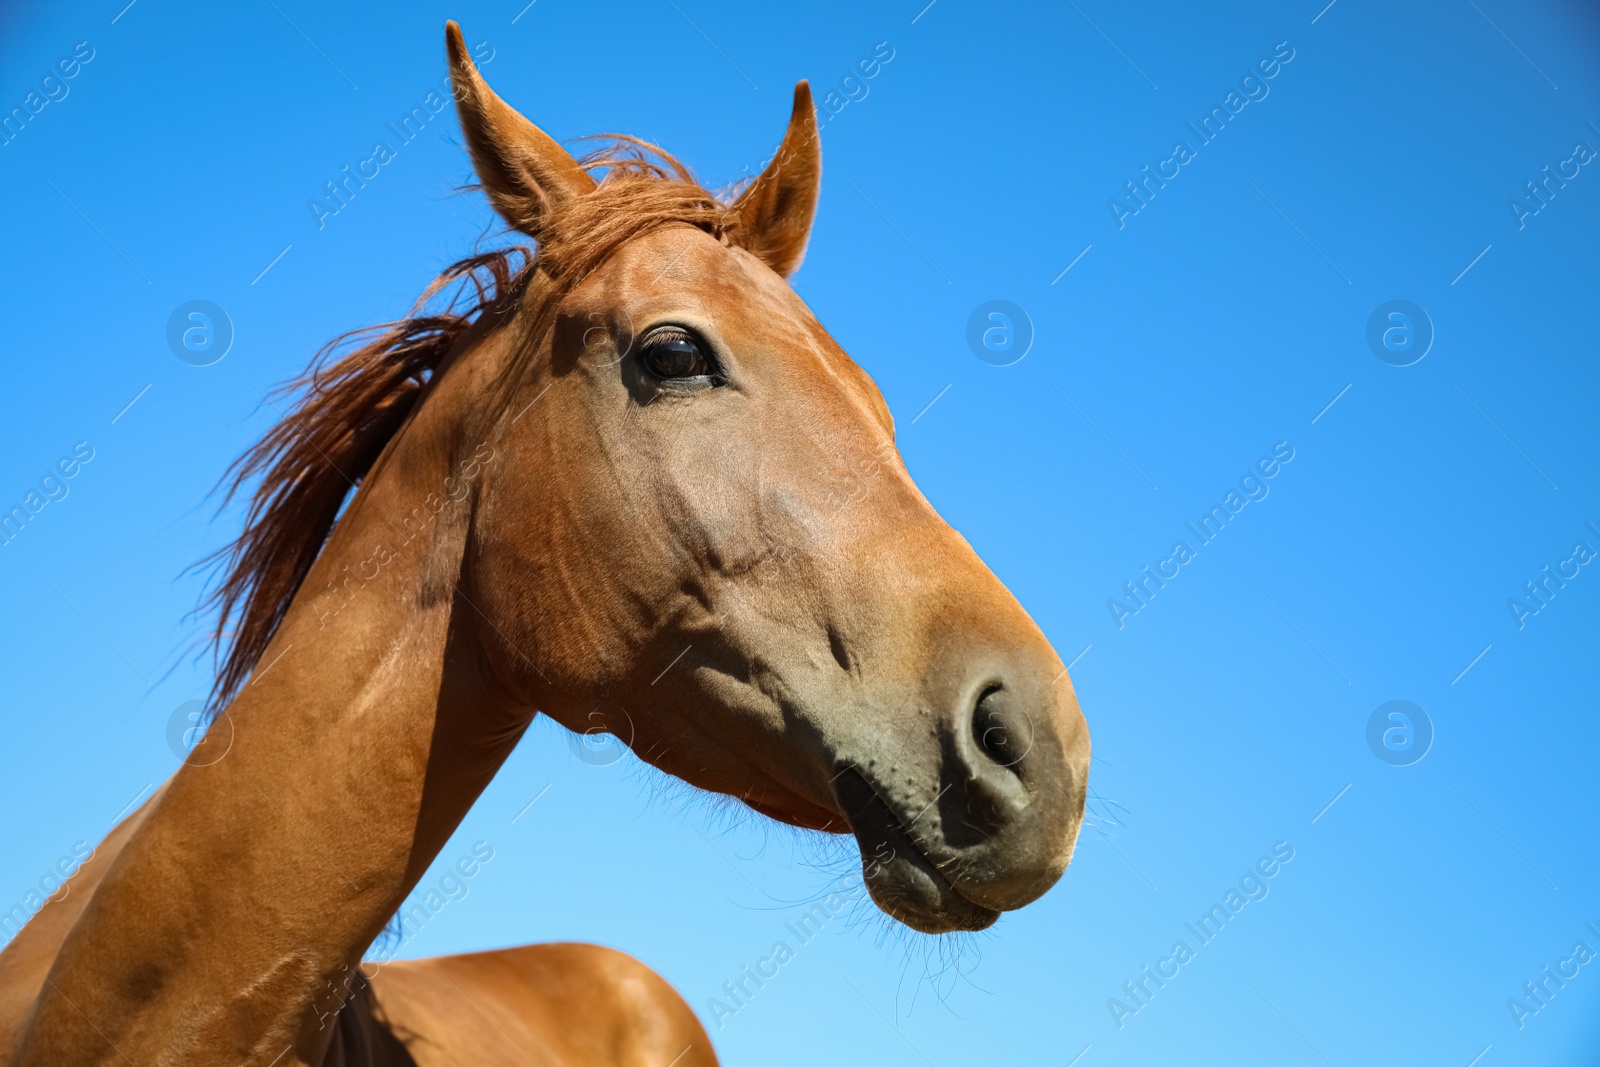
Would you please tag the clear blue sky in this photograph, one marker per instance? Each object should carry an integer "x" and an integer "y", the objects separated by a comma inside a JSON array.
[{"x": 1186, "y": 341}]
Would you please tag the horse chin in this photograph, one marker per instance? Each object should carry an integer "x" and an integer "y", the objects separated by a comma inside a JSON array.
[
  {"x": 903, "y": 881},
  {"x": 911, "y": 890}
]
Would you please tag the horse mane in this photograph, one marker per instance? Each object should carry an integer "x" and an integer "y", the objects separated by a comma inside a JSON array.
[{"x": 352, "y": 401}]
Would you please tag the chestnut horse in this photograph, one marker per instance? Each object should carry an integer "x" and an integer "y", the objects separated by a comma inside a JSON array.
[{"x": 636, "y": 487}]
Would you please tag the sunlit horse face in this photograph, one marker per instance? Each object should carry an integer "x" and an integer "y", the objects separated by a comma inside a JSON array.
[{"x": 698, "y": 535}]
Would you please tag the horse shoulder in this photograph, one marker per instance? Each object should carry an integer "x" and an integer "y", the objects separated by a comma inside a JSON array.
[{"x": 26, "y": 959}]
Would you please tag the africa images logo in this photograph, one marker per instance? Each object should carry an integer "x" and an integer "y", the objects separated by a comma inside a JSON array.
[{"x": 1251, "y": 887}]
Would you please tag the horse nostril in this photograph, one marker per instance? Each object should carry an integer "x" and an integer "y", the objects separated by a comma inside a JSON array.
[{"x": 999, "y": 737}]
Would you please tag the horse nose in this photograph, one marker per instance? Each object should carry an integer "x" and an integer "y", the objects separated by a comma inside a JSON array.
[
  {"x": 1002, "y": 736},
  {"x": 1015, "y": 777}
]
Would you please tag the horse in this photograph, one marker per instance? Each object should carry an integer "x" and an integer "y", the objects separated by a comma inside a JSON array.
[{"x": 633, "y": 485}]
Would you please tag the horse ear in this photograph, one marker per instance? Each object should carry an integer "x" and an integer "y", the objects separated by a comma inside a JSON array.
[
  {"x": 525, "y": 172},
  {"x": 775, "y": 213}
]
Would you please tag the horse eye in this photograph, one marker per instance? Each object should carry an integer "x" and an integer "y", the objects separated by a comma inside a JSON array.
[{"x": 673, "y": 353}]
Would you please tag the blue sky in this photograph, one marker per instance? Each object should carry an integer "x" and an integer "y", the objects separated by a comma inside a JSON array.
[{"x": 1173, "y": 347}]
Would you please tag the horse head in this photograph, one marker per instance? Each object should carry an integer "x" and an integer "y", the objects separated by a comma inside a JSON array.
[{"x": 697, "y": 533}]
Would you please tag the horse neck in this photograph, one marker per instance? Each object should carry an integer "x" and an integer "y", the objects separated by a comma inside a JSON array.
[{"x": 369, "y": 728}]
